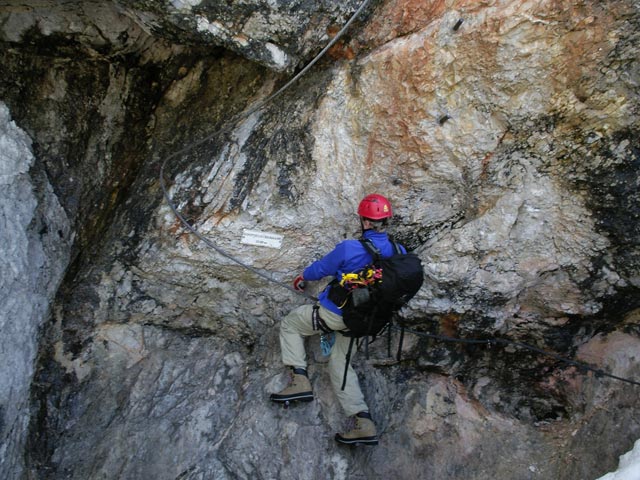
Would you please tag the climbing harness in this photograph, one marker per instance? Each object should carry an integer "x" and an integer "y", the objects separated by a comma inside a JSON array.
[{"x": 327, "y": 338}]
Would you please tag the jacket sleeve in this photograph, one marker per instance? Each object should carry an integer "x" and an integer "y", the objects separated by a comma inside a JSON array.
[{"x": 329, "y": 265}]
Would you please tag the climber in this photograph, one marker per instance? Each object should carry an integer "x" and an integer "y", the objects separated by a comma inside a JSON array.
[{"x": 348, "y": 256}]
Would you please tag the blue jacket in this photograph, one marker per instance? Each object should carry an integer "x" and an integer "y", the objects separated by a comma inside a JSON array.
[{"x": 347, "y": 257}]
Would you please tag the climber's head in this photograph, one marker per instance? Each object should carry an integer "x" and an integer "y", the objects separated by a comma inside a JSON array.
[{"x": 374, "y": 211}]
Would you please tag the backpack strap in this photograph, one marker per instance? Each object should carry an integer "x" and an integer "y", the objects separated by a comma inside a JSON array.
[
  {"x": 389, "y": 337},
  {"x": 375, "y": 252},
  {"x": 400, "y": 342},
  {"x": 346, "y": 364},
  {"x": 371, "y": 248}
]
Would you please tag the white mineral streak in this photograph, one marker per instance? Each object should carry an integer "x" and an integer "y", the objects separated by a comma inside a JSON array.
[
  {"x": 214, "y": 28},
  {"x": 185, "y": 5},
  {"x": 278, "y": 56}
]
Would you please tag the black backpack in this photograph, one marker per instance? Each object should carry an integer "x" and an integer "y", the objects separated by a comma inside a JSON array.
[{"x": 369, "y": 298}]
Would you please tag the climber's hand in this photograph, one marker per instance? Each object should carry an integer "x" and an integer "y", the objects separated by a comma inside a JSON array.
[{"x": 299, "y": 284}]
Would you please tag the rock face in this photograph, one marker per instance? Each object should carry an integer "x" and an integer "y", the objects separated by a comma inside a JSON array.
[
  {"x": 504, "y": 132},
  {"x": 275, "y": 33},
  {"x": 36, "y": 241}
]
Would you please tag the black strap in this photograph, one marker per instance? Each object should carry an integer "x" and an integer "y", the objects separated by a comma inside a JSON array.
[
  {"x": 400, "y": 342},
  {"x": 371, "y": 248},
  {"x": 318, "y": 322},
  {"x": 346, "y": 365},
  {"x": 375, "y": 252}
]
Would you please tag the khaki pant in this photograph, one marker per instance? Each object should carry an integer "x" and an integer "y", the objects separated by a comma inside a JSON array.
[{"x": 298, "y": 324}]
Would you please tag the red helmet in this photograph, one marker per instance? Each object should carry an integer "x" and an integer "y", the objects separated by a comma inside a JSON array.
[{"x": 375, "y": 207}]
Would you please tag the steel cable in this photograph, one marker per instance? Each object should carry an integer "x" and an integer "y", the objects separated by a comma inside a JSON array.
[
  {"x": 209, "y": 243},
  {"x": 503, "y": 341},
  {"x": 230, "y": 124}
]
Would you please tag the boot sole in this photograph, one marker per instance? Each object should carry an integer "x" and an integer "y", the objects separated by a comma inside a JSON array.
[
  {"x": 370, "y": 441},
  {"x": 298, "y": 397}
]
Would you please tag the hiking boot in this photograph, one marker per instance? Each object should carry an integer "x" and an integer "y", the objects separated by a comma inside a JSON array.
[
  {"x": 363, "y": 431},
  {"x": 299, "y": 389}
]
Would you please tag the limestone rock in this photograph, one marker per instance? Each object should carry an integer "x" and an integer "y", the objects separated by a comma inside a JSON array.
[
  {"x": 505, "y": 134},
  {"x": 35, "y": 238},
  {"x": 277, "y": 34}
]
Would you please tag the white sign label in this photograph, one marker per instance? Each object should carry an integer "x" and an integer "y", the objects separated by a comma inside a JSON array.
[{"x": 261, "y": 239}]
